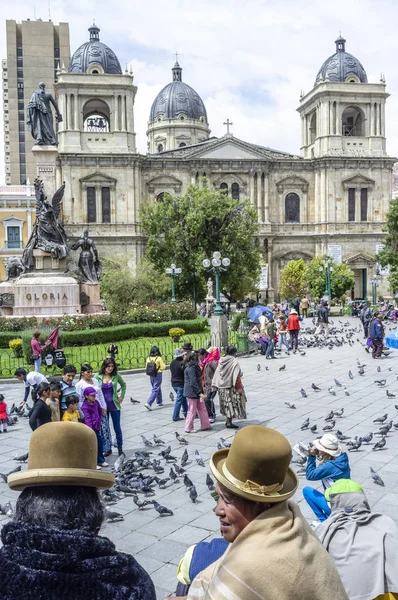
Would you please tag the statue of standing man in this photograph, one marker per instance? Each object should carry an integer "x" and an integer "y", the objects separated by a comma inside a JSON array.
[{"x": 40, "y": 118}]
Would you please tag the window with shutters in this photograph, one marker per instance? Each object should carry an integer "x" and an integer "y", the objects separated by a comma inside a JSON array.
[
  {"x": 235, "y": 191},
  {"x": 224, "y": 188},
  {"x": 91, "y": 205},
  {"x": 292, "y": 208},
  {"x": 106, "y": 204},
  {"x": 364, "y": 204},
  {"x": 351, "y": 204}
]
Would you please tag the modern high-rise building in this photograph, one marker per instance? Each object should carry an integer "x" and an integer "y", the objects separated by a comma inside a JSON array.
[{"x": 35, "y": 49}]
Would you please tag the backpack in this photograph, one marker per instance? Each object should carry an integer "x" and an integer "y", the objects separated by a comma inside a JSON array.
[{"x": 151, "y": 369}]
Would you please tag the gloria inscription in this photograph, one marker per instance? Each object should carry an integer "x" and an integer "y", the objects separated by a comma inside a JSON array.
[{"x": 45, "y": 296}]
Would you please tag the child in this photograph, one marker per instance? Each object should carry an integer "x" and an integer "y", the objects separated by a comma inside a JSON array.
[
  {"x": 53, "y": 400},
  {"x": 283, "y": 334},
  {"x": 3, "y": 415},
  {"x": 154, "y": 368},
  {"x": 113, "y": 350},
  {"x": 71, "y": 413},
  {"x": 93, "y": 415},
  {"x": 67, "y": 385}
]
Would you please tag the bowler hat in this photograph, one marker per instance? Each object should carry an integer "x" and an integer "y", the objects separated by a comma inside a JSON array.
[
  {"x": 187, "y": 346},
  {"x": 256, "y": 466},
  {"x": 62, "y": 453}
]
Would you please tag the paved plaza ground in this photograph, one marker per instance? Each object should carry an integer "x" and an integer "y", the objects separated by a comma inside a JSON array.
[{"x": 159, "y": 543}]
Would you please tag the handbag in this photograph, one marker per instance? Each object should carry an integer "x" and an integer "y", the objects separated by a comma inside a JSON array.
[{"x": 35, "y": 356}]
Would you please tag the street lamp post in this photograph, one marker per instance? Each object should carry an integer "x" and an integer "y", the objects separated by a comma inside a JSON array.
[
  {"x": 374, "y": 283},
  {"x": 219, "y": 264},
  {"x": 327, "y": 261},
  {"x": 173, "y": 272}
]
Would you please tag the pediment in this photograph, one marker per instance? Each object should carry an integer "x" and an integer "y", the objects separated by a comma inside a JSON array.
[
  {"x": 164, "y": 182},
  {"x": 358, "y": 181},
  {"x": 293, "y": 181},
  {"x": 230, "y": 150},
  {"x": 360, "y": 259},
  {"x": 98, "y": 177}
]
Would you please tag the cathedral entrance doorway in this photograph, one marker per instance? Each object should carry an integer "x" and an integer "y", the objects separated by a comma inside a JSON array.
[{"x": 361, "y": 282}]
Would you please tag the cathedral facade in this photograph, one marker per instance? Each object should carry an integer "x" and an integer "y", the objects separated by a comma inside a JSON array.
[{"x": 332, "y": 199}]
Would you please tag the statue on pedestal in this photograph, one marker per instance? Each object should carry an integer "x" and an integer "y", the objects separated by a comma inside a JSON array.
[
  {"x": 89, "y": 263},
  {"x": 40, "y": 118},
  {"x": 47, "y": 234},
  {"x": 210, "y": 288}
]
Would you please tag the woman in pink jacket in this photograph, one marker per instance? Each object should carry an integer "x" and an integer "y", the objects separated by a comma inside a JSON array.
[{"x": 37, "y": 349}]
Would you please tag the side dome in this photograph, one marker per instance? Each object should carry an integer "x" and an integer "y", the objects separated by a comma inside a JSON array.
[
  {"x": 94, "y": 57},
  {"x": 178, "y": 100},
  {"x": 341, "y": 65}
]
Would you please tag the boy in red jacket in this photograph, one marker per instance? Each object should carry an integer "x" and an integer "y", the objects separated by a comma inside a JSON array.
[
  {"x": 293, "y": 326},
  {"x": 3, "y": 415}
]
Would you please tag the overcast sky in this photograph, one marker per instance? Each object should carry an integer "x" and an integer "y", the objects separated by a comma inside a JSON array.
[{"x": 247, "y": 60}]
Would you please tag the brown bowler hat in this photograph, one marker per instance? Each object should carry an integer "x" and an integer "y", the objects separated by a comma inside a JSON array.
[
  {"x": 62, "y": 453},
  {"x": 256, "y": 466}
]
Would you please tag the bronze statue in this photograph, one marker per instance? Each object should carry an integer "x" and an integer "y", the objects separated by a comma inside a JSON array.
[
  {"x": 89, "y": 264},
  {"x": 40, "y": 118},
  {"x": 47, "y": 233},
  {"x": 14, "y": 267}
]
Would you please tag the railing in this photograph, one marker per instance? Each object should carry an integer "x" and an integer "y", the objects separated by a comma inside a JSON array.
[{"x": 131, "y": 355}]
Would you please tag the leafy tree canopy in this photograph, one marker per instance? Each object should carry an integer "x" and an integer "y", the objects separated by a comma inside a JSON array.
[
  {"x": 185, "y": 230},
  {"x": 341, "y": 278},
  {"x": 389, "y": 254},
  {"x": 393, "y": 280},
  {"x": 293, "y": 280}
]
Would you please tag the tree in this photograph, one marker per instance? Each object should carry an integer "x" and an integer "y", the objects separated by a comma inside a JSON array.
[
  {"x": 341, "y": 278},
  {"x": 293, "y": 280},
  {"x": 393, "y": 280},
  {"x": 389, "y": 254},
  {"x": 185, "y": 230}
]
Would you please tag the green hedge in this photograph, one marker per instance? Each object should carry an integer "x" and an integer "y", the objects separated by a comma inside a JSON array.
[
  {"x": 125, "y": 332},
  {"x": 6, "y": 336}
]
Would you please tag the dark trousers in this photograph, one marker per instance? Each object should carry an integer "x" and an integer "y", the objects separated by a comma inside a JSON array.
[
  {"x": 294, "y": 338},
  {"x": 377, "y": 348},
  {"x": 181, "y": 403},
  {"x": 365, "y": 326},
  {"x": 209, "y": 403},
  {"x": 100, "y": 455},
  {"x": 115, "y": 416},
  {"x": 305, "y": 311}
]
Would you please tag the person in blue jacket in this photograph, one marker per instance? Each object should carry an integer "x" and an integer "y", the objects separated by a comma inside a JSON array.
[
  {"x": 333, "y": 466},
  {"x": 376, "y": 333}
]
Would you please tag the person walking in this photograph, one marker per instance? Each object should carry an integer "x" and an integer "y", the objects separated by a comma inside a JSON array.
[
  {"x": 365, "y": 318},
  {"x": 333, "y": 465},
  {"x": 282, "y": 334},
  {"x": 113, "y": 389},
  {"x": 31, "y": 379},
  {"x": 177, "y": 383},
  {"x": 296, "y": 304},
  {"x": 208, "y": 362},
  {"x": 263, "y": 320},
  {"x": 227, "y": 380},
  {"x": 323, "y": 319},
  {"x": 376, "y": 333},
  {"x": 37, "y": 349},
  {"x": 154, "y": 368},
  {"x": 40, "y": 413},
  {"x": 92, "y": 412},
  {"x": 304, "y": 306},
  {"x": 293, "y": 325},
  {"x": 193, "y": 391},
  {"x": 271, "y": 332}
]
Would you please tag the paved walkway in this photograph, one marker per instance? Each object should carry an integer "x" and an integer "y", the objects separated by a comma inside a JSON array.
[{"x": 159, "y": 543}]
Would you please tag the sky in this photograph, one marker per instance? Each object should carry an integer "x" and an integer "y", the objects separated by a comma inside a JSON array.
[{"x": 247, "y": 60}]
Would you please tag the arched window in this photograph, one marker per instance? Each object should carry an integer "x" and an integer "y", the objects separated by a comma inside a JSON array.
[
  {"x": 182, "y": 145},
  {"x": 96, "y": 116},
  {"x": 96, "y": 123},
  {"x": 224, "y": 188},
  {"x": 292, "y": 208},
  {"x": 235, "y": 191},
  {"x": 160, "y": 197},
  {"x": 353, "y": 122},
  {"x": 160, "y": 147},
  {"x": 313, "y": 128}
]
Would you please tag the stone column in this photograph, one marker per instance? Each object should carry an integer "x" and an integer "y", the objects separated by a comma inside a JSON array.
[
  {"x": 123, "y": 113},
  {"x": 251, "y": 187},
  {"x": 69, "y": 113},
  {"x": 271, "y": 291},
  {"x": 266, "y": 198},
  {"x": 115, "y": 115},
  {"x": 76, "y": 119},
  {"x": 259, "y": 198}
]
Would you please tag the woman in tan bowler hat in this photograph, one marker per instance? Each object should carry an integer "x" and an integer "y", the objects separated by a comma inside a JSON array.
[
  {"x": 273, "y": 554},
  {"x": 52, "y": 549}
]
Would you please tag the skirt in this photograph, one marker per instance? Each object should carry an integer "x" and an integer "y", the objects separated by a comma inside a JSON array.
[
  {"x": 106, "y": 434},
  {"x": 232, "y": 403}
]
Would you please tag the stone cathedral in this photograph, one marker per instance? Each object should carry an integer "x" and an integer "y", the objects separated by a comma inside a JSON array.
[{"x": 332, "y": 198}]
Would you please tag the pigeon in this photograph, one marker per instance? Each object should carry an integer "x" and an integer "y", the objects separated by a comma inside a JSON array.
[
  {"x": 396, "y": 406},
  {"x": 350, "y": 375},
  {"x": 381, "y": 419},
  {"x": 303, "y": 393},
  {"x": 315, "y": 387},
  {"x": 6, "y": 509},
  {"x": 331, "y": 390},
  {"x": 289, "y": 404},
  {"x": 157, "y": 440},
  {"x": 329, "y": 417},
  {"x": 171, "y": 396},
  {"x": 184, "y": 458},
  {"x": 376, "y": 477},
  {"x": 356, "y": 445},
  {"x": 381, "y": 382},
  {"x": 22, "y": 458},
  {"x": 367, "y": 438},
  {"x": 4, "y": 476},
  {"x": 389, "y": 395},
  {"x": 146, "y": 441},
  {"x": 193, "y": 494},
  {"x": 337, "y": 382},
  {"x": 187, "y": 482},
  {"x": 226, "y": 444},
  {"x": 339, "y": 413},
  {"x": 378, "y": 369},
  {"x": 329, "y": 426},
  {"x": 347, "y": 393},
  {"x": 173, "y": 476},
  {"x": 165, "y": 452},
  {"x": 113, "y": 517},
  {"x": 199, "y": 459},
  {"x": 162, "y": 482},
  {"x": 361, "y": 370},
  {"x": 170, "y": 458},
  {"x": 300, "y": 460},
  {"x": 258, "y": 367},
  {"x": 282, "y": 368},
  {"x": 380, "y": 445},
  {"x": 119, "y": 462},
  {"x": 313, "y": 428},
  {"x": 209, "y": 483},
  {"x": 180, "y": 439},
  {"x": 178, "y": 470},
  {"x": 162, "y": 510},
  {"x": 140, "y": 503},
  {"x": 305, "y": 424},
  {"x": 302, "y": 353},
  {"x": 134, "y": 401}
]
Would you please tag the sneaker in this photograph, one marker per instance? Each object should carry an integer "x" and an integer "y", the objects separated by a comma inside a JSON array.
[
  {"x": 179, "y": 419},
  {"x": 108, "y": 453},
  {"x": 99, "y": 467},
  {"x": 212, "y": 420},
  {"x": 147, "y": 406},
  {"x": 104, "y": 464},
  {"x": 315, "y": 524}
]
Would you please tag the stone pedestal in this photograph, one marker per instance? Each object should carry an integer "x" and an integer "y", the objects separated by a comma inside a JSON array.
[
  {"x": 46, "y": 165},
  {"x": 219, "y": 331},
  {"x": 90, "y": 298}
]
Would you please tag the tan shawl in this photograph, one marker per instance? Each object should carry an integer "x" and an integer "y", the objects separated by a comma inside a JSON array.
[
  {"x": 276, "y": 557},
  {"x": 226, "y": 373}
]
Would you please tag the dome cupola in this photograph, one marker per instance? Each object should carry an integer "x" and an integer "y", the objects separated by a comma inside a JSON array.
[
  {"x": 342, "y": 66},
  {"x": 94, "y": 57}
]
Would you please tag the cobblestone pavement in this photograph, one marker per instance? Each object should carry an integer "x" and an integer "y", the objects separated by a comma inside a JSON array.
[{"x": 159, "y": 543}]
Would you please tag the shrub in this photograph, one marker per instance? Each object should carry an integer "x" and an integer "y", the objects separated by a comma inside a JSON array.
[
  {"x": 236, "y": 321},
  {"x": 176, "y": 332},
  {"x": 16, "y": 346}
]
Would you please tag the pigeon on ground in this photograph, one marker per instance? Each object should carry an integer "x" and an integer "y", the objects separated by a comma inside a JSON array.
[
  {"x": 389, "y": 395},
  {"x": 173, "y": 476},
  {"x": 6, "y": 509},
  {"x": 184, "y": 458},
  {"x": 22, "y": 458},
  {"x": 226, "y": 444},
  {"x": 329, "y": 417},
  {"x": 337, "y": 382},
  {"x": 187, "y": 482},
  {"x": 170, "y": 458},
  {"x": 315, "y": 387},
  {"x": 134, "y": 401},
  {"x": 380, "y": 445},
  {"x": 381, "y": 419},
  {"x": 347, "y": 393},
  {"x": 376, "y": 477},
  {"x": 339, "y": 413},
  {"x": 313, "y": 428},
  {"x": 330, "y": 426},
  {"x": 350, "y": 375},
  {"x": 180, "y": 439},
  {"x": 171, "y": 396},
  {"x": 302, "y": 353},
  {"x": 379, "y": 369},
  {"x": 165, "y": 452},
  {"x": 367, "y": 438},
  {"x": 282, "y": 368},
  {"x": 4, "y": 476},
  {"x": 113, "y": 517},
  {"x": 157, "y": 440},
  {"x": 303, "y": 393},
  {"x": 381, "y": 382},
  {"x": 193, "y": 494},
  {"x": 146, "y": 441},
  {"x": 140, "y": 503},
  {"x": 305, "y": 424},
  {"x": 162, "y": 510},
  {"x": 178, "y": 470},
  {"x": 199, "y": 459},
  {"x": 209, "y": 483},
  {"x": 396, "y": 406},
  {"x": 289, "y": 404},
  {"x": 162, "y": 482},
  {"x": 258, "y": 367},
  {"x": 332, "y": 391},
  {"x": 356, "y": 445}
]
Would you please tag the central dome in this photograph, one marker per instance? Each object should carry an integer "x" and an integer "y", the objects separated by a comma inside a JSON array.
[
  {"x": 94, "y": 57},
  {"x": 341, "y": 65},
  {"x": 178, "y": 100}
]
